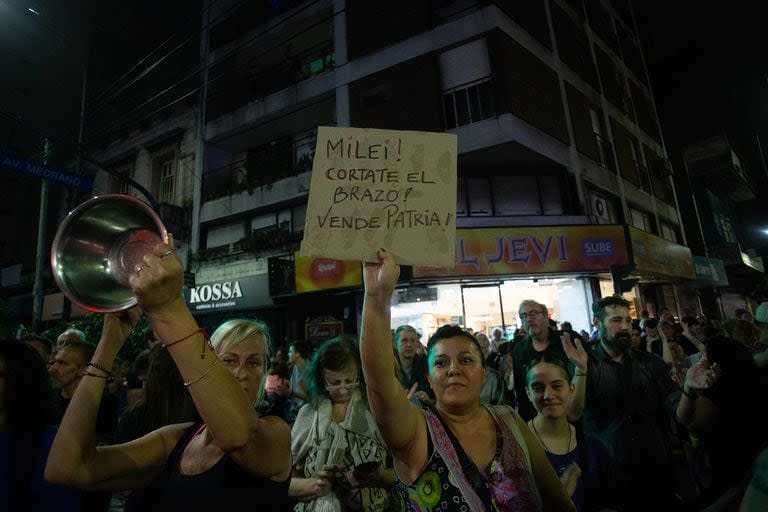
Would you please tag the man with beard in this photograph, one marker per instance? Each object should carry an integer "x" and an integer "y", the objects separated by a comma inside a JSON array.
[{"x": 630, "y": 399}]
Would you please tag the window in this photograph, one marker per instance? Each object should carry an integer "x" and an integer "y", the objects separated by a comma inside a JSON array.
[
  {"x": 640, "y": 220},
  {"x": 305, "y": 150},
  {"x": 118, "y": 185},
  {"x": 668, "y": 232},
  {"x": 164, "y": 176},
  {"x": 223, "y": 235},
  {"x": 298, "y": 217},
  {"x": 479, "y": 195},
  {"x": 516, "y": 195},
  {"x": 469, "y": 105},
  {"x": 509, "y": 195},
  {"x": 167, "y": 181},
  {"x": 465, "y": 78},
  {"x": 724, "y": 227}
]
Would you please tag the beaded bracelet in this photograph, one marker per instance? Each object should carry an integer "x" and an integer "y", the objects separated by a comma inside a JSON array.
[
  {"x": 202, "y": 349},
  {"x": 202, "y": 375},
  {"x": 99, "y": 367},
  {"x": 105, "y": 377}
]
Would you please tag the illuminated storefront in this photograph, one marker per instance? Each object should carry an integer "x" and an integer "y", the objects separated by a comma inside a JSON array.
[{"x": 497, "y": 268}]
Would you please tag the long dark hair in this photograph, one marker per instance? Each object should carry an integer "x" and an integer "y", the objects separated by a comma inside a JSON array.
[
  {"x": 28, "y": 404},
  {"x": 28, "y": 397},
  {"x": 335, "y": 355},
  {"x": 166, "y": 401}
]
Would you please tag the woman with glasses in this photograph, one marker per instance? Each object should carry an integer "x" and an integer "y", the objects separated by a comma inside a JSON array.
[
  {"x": 338, "y": 453},
  {"x": 226, "y": 460},
  {"x": 460, "y": 455}
]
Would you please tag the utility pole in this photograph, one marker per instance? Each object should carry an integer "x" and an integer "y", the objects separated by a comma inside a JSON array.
[{"x": 37, "y": 304}]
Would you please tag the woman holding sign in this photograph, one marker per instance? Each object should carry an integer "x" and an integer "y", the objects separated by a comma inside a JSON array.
[{"x": 460, "y": 451}]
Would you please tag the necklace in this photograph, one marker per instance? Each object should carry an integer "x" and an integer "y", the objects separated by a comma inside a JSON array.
[{"x": 546, "y": 449}]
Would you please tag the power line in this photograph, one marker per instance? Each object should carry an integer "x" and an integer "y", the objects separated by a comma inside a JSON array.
[
  {"x": 176, "y": 34},
  {"x": 204, "y": 66}
]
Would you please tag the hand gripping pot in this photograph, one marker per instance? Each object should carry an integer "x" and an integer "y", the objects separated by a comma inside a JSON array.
[{"x": 99, "y": 245}]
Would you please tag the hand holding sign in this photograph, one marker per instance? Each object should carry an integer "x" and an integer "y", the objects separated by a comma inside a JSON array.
[{"x": 382, "y": 188}]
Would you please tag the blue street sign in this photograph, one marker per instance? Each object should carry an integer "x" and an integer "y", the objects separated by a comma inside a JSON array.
[{"x": 43, "y": 171}]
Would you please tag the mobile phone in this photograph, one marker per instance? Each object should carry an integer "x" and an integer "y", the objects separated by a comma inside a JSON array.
[{"x": 367, "y": 467}]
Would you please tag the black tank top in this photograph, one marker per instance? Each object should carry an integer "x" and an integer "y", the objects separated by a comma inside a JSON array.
[{"x": 223, "y": 485}]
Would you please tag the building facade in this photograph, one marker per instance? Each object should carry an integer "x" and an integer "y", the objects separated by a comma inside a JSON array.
[{"x": 559, "y": 147}]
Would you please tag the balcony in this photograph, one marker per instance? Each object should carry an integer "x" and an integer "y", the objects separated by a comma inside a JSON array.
[
  {"x": 236, "y": 83},
  {"x": 263, "y": 166},
  {"x": 736, "y": 260},
  {"x": 714, "y": 162},
  {"x": 259, "y": 241}
]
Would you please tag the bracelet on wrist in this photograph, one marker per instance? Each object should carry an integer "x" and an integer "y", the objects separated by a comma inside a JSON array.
[
  {"x": 692, "y": 395},
  {"x": 107, "y": 378},
  {"x": 101, "y": 368}
]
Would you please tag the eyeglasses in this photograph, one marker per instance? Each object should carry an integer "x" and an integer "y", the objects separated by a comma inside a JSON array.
[
  {"x": 531, "y": 314},
  {"x": 348, "y": 386}
]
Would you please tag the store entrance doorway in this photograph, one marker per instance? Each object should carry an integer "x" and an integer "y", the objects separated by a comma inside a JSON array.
[{"x": 482, "y": 307}]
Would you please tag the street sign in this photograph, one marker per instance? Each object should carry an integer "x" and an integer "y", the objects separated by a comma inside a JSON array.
[{"x": 43, "y": 171}]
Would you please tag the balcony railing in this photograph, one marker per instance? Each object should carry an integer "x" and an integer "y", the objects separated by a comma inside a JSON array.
[
  {"x": 262, "y": 167},
  {"x": 264, "y": 239}
]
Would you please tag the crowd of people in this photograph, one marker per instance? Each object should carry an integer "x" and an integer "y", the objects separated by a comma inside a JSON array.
[{"x": 633, "y": 415}]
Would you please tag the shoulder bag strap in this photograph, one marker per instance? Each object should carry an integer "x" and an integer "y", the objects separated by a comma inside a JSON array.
[{"x": 470, "y": 469}]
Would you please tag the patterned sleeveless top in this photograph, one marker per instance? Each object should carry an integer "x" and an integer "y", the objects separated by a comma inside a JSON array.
[{"x": 442, "y": 485}]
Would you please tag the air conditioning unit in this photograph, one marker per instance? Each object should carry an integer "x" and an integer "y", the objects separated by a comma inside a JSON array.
[{"x": 599, "y": 208}]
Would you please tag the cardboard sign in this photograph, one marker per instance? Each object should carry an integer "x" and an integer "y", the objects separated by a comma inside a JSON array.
[{"x": 386, "y": 189}]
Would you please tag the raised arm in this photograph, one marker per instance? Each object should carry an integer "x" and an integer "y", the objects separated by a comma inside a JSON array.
[
  {"x": 698, "y": 413},
  {"x": 261, "y": 446},
  {"x": 396, "y": 417},
  {"x": 579, "y": 357},
  {"x": 74, "y": 458}
]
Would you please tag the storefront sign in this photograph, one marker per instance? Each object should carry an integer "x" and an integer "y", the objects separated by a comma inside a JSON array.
[
  {"x": 655, "y": 255},
  {"x": 321, "y": 331},
  {"x": 534, "y": 250},
  {"x": 382, "y": 188},
  {"x": 314, "y": 274},
  {"x": 240, "y": 293},
  {"x": 710, "y": 271}
]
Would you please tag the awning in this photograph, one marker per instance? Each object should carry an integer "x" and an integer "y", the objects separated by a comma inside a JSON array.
[{"x": 657, "y": 256}]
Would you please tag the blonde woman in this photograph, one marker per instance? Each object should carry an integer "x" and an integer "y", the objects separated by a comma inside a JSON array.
[{"x": 233, "y": 456}]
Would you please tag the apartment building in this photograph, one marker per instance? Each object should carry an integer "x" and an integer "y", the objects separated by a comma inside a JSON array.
[
  {"x": 721, "y": 190},
  {"x": 559, "y": 147}
]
